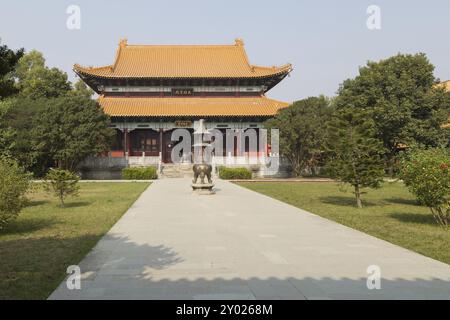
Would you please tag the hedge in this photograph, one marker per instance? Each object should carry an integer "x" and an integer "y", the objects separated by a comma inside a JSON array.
[
  {"x": 234, "y": 173},
  {"x": 139, "y": 173}
]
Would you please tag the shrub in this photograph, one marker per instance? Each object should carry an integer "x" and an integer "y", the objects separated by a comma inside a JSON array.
[
  {"x": 62, "y": 183},
  {"x": 427, "y": 175},
  {"x": 234, "y": 173},
  {"x": 14, "y": 183},
  {"x": 145, "y": 173}
]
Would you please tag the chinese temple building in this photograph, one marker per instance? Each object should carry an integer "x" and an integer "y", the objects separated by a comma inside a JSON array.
[
  {"x": 446, "y": 86},
  {"x": 151, "y": 90}
]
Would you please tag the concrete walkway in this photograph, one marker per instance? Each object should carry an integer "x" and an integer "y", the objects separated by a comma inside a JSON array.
[{"x": 238, "y": 244}]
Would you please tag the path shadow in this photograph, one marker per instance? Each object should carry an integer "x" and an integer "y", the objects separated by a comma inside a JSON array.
[
  {"x": 133, "y": 271},
  {"x": 414, "y": 218},
  {"x": 345, "y": 201},
  {"x": 156, "y": 257},
  {"x": 120, "y": 268}
]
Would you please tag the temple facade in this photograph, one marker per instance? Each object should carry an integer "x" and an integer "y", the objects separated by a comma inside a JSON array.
[{"x": 151, "y": 90}]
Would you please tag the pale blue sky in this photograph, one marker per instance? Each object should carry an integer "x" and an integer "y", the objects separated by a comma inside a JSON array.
[{"x": 326, "y": 41}]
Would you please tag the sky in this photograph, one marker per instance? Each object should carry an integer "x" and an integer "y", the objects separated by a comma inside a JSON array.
[{"x": 326, "y": 41}]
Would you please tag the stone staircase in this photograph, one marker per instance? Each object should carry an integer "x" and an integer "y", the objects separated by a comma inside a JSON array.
[{"x": 179, "y": 170}]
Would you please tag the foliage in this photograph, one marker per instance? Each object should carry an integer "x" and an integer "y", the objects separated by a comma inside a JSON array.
[
  {"x": 7, "y": 134},
  {"x": 82, "y": 89},
  {"x": 401, "y": 97},
  {"x": 139, "y": 173},
  {"x": 35, "y": 80},
  {"x": 62, "y": 183},
  {"x": 302, "y": 132},
  {"x": 356, "y": 153},
  {"x": 8, "y": 60},
  {"x": 234, "y": 173},
  {"x": 69, "y": 129},
  {"x": 48, "y": 123},
  {"x": 427, "y": 175},
  {"x": 20, "y": 114},
  {"x": 14, "y": 183}
]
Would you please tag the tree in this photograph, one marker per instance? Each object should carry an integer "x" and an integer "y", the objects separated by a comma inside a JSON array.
[
  {"x": 17, "y": 123},
  {"x": 62, "y": 183},
  {"x": 302, "y": 131},
  {"x": 401, "y": 96},
  {"x": 7, "y": 134},
  {"x": 14, "y": 183},
  {"x": 35, "y": 80},
  {"x": 355, "y": 151},
  {"x": 8, "y": 61},
  {"x": 69, "y": 129},
  {"x": 82, "y": 89},
  {"x": 426, "y": 173}
]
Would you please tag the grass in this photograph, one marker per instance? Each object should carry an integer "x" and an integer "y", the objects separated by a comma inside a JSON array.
[
  {"x": 36, "y": 248},
  {"x": 390, "y": 213}
]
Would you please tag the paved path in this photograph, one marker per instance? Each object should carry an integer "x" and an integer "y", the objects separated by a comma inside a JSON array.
[{"x": 238, "y": 244}]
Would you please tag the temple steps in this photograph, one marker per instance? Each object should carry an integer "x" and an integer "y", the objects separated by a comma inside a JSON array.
[{"x": 176, "y": 171}]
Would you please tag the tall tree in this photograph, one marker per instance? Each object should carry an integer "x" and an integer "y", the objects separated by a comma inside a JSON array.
[
  {"x": 19, "y": 119},
  {"x": 401, "y": 96},
  {"x": 355, "y": 151},
  {"x": 8, "y": 61},
  {"x": 69, "y": 129},
  {"x": 35, "y": 80},
  {"x": 302, "y": 131},
  {"x": 7, "y": 134},
  {"x": 81, "y": 88}
]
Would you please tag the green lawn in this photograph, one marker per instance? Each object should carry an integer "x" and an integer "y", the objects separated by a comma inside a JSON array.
[
  {"x": 390, "y": 213},
  {"x": 36, "y": 249}
]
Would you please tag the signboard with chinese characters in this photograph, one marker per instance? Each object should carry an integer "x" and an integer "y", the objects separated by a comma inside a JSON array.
[
  {"x": 182, "y": 91},
  {"x": 183, "y": 123}
]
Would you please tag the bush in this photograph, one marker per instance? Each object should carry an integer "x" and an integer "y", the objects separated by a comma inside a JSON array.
[
  {"x": 14, "y": 183},
  {"x": 427, "y": 175},
  {"x": 147, "y": 173},
  {"x": 62, "y": 183},
  {"x": 234, "y": 173}
]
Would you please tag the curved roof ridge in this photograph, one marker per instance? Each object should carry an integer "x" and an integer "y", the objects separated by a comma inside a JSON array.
[
  {"x": 282, "y": 67},
  {"x": 77, "y": 66},
  {"x": 238, "y": 42},
  {"x": 182, "y": 61}
]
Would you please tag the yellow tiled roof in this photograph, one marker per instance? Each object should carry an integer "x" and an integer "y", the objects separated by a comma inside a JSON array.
[
  {"x": 190, "y": 106},
  {"x": 446, "y": 86},
  {"x": 182, "y": 61}
]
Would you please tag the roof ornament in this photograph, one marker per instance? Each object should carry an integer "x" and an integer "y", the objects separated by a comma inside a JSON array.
[
  {"x": 239, "y": 41},
  {"x": 123, "y": 42}
]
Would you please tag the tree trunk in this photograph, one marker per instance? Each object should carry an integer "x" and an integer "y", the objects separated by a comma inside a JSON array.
[
  {"x": 61, "y": 198},
  {"x": 391, "y": 170},
  {"x": 391, "y": 165},
  {"x": 358, "y": 196}
]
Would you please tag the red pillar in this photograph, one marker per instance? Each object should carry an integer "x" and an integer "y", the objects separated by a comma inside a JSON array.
[
  {"x": 161, "y": 143},
  {"x": 125, "y": 141},
  {"x": 126, "y": 144}
]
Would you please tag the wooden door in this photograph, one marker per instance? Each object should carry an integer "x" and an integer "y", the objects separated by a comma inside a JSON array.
[{"x": 167, "y": 147}]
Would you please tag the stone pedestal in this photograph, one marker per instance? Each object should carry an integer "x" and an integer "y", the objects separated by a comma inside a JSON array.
[{"x": 203, "y": 188}]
